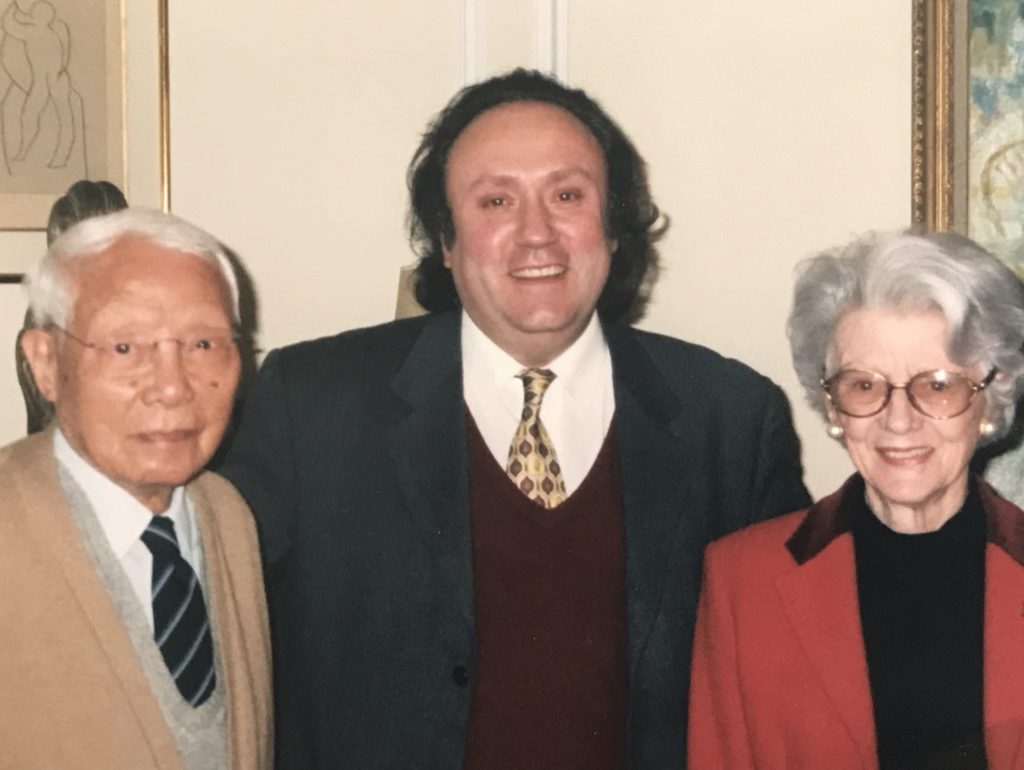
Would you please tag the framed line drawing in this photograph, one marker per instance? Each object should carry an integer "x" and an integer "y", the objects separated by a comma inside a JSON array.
[
  {"x": 83, "y": 95},
  {"x": 968, "y": 121}
]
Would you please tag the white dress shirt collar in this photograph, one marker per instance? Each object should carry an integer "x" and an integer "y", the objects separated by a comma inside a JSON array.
[
  {"x": 123, "y": 518},
  {"x": 577, "y": 407}
]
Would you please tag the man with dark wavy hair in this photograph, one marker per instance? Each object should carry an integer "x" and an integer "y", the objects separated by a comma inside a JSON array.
[
  {"x": 631, "y": 218},
  {"x": 483, "y": 527}
]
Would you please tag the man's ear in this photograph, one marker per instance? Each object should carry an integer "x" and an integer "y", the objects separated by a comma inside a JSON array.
[
  {"x": 39, "y": 347},
  {"x": 447, "y": 257}
]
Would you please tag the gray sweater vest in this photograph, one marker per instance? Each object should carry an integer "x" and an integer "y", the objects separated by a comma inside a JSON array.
[{"x": 199, "y": 733}]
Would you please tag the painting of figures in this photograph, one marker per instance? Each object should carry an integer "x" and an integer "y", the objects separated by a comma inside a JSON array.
[{"x": 61, "y": 102}]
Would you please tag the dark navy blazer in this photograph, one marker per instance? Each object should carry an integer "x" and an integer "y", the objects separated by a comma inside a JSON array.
[{"x": 352, "y": 454}]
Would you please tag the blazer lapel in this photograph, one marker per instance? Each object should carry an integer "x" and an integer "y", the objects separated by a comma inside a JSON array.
[
  {"x": 244, "y": 662},
  {"x": 1004, "y": 633},
  {"x": 658, "y": 456},
  {"x": 49, "y": 521},
  {"x": 820, "y": 598},
  {"x": 427, "y": 443}
]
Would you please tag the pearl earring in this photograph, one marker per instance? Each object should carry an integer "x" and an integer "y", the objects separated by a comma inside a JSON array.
[
  {"x": 987, "y": 428},
  {"x": 834, "y": 431}
]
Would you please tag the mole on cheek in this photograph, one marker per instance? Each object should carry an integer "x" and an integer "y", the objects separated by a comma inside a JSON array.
[{"x": 214, "y": 384}]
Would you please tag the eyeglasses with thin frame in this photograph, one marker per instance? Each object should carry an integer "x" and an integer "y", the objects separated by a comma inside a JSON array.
[
  {"x": 205, "y": 350},
  {"x": 937, "y": 394}
]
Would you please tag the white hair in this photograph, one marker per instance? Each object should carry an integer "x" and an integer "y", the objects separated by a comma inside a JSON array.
[
  {"x": 51, "y": 291},
  {"x": 980, "y": 298}
]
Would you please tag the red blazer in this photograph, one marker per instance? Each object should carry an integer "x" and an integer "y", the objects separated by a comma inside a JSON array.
[{"x": 780, "y": 677}]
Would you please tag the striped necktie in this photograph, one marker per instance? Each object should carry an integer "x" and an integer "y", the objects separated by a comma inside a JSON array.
[
  {"x": 180, "y": 623},
  {"x": 532, "y": 462}
]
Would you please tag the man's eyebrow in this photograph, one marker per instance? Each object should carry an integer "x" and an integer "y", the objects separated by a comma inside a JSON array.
[
  {"x": 507, "y": 180},
  {"x": 560, "y": 175},
  {"x": 501, "y": 180}
]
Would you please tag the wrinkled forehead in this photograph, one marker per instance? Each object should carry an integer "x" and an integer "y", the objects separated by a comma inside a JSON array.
[
  {"x": 900, "y": 341},
  {"x": 525, "y": 121},
  {"x": 135, "y": 273}
]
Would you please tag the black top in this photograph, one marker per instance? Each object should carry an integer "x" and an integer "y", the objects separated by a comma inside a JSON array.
[{"x": 922, "y": 611}]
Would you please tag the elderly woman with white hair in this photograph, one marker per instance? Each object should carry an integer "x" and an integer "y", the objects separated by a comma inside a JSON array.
[{"x": 883, "y": 626}]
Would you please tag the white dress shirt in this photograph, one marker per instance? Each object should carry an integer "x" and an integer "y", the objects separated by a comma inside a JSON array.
[
  {"x": 576, "y": 410},
  {"x": 124, "y": 519}
]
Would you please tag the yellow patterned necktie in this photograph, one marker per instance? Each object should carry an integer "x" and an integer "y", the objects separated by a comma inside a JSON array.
[{"x": 532, "y": 462}]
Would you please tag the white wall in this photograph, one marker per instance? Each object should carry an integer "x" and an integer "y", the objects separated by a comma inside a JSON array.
[{"x": 770, "y": 129}]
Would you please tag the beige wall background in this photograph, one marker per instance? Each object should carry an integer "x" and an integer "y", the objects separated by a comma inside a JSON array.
[{"x": 771, "y": 130}]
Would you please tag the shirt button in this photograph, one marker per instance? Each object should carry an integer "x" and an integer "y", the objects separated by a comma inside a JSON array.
[{"x": 460, "y": 676}]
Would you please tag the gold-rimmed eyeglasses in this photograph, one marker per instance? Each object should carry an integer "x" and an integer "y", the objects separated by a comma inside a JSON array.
[
  {"x": 938, "y": 394},
  {"x": 202, "y": 350}
]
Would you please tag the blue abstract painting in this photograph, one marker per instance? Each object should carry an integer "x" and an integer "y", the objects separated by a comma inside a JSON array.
[{"x": 996, "y": 134}]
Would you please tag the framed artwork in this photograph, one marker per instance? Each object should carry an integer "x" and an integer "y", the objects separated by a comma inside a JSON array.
[
  {"x": 83, "y": 95},
  {"x": 968, "y": 121}
]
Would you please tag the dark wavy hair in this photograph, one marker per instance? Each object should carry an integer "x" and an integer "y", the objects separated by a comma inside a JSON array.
[
  {"x": 630, "y": 216},
  {"x": 84, "y": 199}
]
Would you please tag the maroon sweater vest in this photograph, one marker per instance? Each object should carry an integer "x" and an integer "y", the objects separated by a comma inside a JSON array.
[{"x": 549, "y": 681}]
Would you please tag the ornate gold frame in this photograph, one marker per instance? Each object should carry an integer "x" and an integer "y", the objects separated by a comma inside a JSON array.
[
  {"x": 161, "y": 196},
  {"x": 164, "y": 85},
  {"x": 939, "y": 120},
  {"x": 31, "y": 214}
]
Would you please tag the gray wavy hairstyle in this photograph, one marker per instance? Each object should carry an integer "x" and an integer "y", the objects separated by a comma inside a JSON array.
[
  {"x": 51, "y": 292},
  {"x": 981, "y": 299}
]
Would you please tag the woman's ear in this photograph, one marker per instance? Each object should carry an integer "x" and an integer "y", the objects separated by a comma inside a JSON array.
[{"x": 833, "y": 427}]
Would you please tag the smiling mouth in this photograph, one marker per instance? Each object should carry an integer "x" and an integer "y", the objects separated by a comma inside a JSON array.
[
  {"x": 548, "y": 271},
  {"x": 909, "y": 455},
  {"x": 165, "y": 436}
]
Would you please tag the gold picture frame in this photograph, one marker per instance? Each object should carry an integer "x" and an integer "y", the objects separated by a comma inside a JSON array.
[
  {"x": 968, "y": 130},
  {"x": 932, "y": 146},
  {"x": 105, "y": 103}
]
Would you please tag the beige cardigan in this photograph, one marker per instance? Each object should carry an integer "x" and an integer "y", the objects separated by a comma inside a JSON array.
[{"x": 72, "y": 692}]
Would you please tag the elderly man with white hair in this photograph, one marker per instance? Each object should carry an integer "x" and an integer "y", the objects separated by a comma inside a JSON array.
[{"x": 133, "y": 625}]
